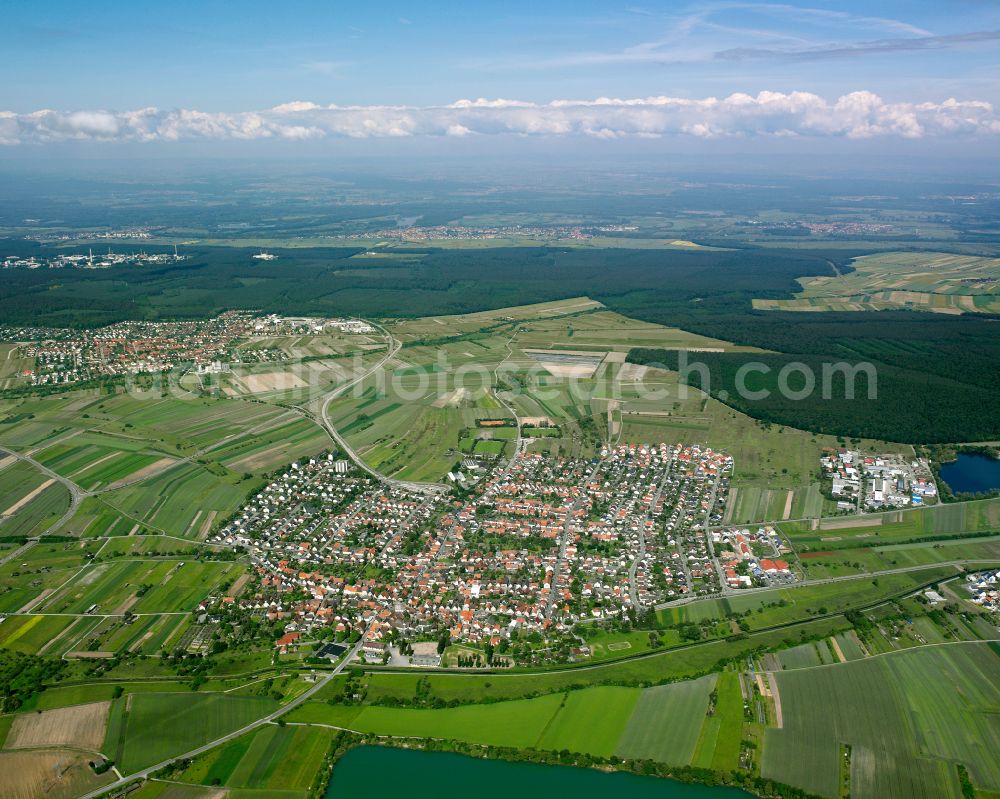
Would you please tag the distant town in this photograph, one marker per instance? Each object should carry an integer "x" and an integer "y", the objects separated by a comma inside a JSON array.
[
  {"x": 537, "y": 232},
  {"x": 62, "y": 356},
  {"x": 90, "y": 260}
]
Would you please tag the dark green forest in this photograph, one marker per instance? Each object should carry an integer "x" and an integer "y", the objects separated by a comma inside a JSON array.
[
  {"x": 937, "y": 375},
  {"x": 905, "y": 405},
  {"x": 329, "y": 281}
]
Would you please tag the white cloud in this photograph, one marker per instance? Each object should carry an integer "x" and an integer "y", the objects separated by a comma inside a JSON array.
[{"x": 856, "y": 115}]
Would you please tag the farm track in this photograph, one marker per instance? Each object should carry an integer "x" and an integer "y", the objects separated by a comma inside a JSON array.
[{"x": 394, "y": 346}]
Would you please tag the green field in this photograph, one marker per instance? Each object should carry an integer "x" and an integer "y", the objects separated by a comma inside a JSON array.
[
  {"x": 30, "y": 502},
  {"x": 160, "y": 725},
  {"x": 170, "y": 586},
  {"x": 270, "y": 758},
  {"x": 40, "y": 568},
  {"x": 929, "y": 281},
  {"x": 693, "y": 661},
  {"x": 907, "y": 716},
  {"x": 127, "y": 449},
  {"x": 783, "y": 605},
  {"x": 591, "y": 721},
  {"x": 718, "y": 746},
  {"x": 518, "y": 723},
  {"x": 914, "y": 524},
  {"x": 666, "y": 721}
]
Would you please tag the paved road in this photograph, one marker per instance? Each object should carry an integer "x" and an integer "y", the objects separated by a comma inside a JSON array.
[
  {"x": 324, "y": 418},
  {"x": 823, "y": 581},
  {"x": 564, "y": 542},
  {"x": 707, "y": 527},
  {"x": 641, "y": 556},
  {"x": 519, "y": 441},
  {"x": 235, "y": 733},
  {"x": 19, "y": 551}
]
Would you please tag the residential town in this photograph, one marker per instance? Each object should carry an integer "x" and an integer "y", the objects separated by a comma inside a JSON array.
[
  {"x": 90, "y": 260},
  {"x": 464, "y": 232},
  {"x": 52, "y": 357},
  {"x": 984, "y": 588},
  {"x": 753, "y": 557},
  {"x": 537, "y": 546}
]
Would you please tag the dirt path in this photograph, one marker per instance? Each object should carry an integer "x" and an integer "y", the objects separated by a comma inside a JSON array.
[
  {"x": 779, "y": 720},
  {"x": 146, "y": 471},
  {"x": 837, "y": 649},
  {"x": 788, "y": 504}
]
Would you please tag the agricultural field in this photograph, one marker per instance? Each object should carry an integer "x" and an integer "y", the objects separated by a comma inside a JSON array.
[
  {"x": 271, "y": 758},
  {"x": 33, "y": 634},
  {"x": 38, "y": 570},
  {"x": 183, "y": 502},
  {"x": 54, "y": 774},
  {"x": 944, "y": 697},
  {"x": 939, "y": 709},
  {"x": 30, "y": 502},
  {"x": 79, "y": 727},
  {"x": 591, "y": 721},
  {"x": 415, "y": 418},
  {"x": 11, "y": 365},
  {"x": 156, "y": 726},
  {"x": 783, "y": 605},
  {"x": 95, "y": 460},
  {"x": 666, "y": 722},
  {"x": 518, "y": 723},
  {"x": 60, "y": 696},
  {"x": 150, "y": 464},
  {"x": 769, "y": 460},
  {"x": 684, "y": 663},
  {"x": 142, "y": 586},
  {"x": 718, "y": 746},
  {"x": 925, "y": 281},
  {"x": 157, "y": 789},
  {"x": 415, "y": 331},
  {"x": 856, "y": 560},
  {"x": 894, "y": 527}
]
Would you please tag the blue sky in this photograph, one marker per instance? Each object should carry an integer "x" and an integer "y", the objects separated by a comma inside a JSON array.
[{"x": 233, "y": 57}]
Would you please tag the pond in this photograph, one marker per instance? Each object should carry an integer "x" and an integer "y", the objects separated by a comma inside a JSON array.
[
  {"x": 416, "y": 774},
  {"x": 971, "y": 474}
]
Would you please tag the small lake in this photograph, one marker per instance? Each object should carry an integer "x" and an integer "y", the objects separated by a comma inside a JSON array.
[
  {"x": 971, "y": 474},
  {"x": 430, "y": 775}
]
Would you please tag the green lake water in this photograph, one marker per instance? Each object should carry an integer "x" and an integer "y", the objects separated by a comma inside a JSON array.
[{"x": 430, "y": 775}]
